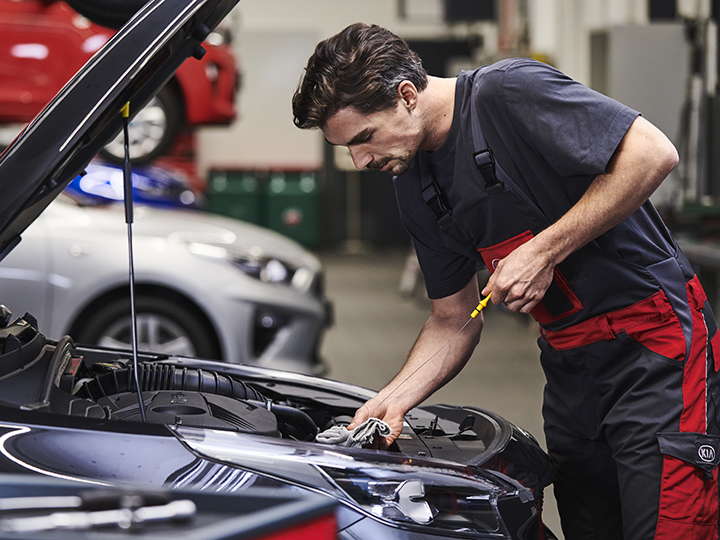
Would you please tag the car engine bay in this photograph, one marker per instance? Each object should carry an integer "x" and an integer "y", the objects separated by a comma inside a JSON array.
[
  {"x": 61, "y": 378},
  {"x": 97, "y": 386},
  {"x": 64, "y": 379}
]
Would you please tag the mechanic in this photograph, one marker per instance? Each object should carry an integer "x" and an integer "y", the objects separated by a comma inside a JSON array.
[{"x": 545, "y": 182}]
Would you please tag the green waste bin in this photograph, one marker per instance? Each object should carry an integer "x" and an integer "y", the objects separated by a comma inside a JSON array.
[
  {"x": 235, "y": 194},
  {"x": 292, "y": 206}
]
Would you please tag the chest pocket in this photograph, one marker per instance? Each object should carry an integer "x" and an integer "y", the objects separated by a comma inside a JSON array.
[{"x": 559, "y": 301}]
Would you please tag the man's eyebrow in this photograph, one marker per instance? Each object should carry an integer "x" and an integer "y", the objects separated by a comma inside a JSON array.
[
  {"x": 360, "y": 137},
  {"x": 357, "y": 139}
]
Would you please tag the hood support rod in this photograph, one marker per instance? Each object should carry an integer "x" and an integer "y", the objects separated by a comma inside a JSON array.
[{"x": 127, "y": 191}]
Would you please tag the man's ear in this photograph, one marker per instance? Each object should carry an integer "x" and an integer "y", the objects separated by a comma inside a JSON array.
[{"x": 408, "y": 94}]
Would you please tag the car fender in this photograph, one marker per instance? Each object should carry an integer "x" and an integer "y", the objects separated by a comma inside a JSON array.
[{"x": 101, "y": 268}]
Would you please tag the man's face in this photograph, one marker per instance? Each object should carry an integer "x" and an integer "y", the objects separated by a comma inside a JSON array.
[{"x": 385, "y": 141}]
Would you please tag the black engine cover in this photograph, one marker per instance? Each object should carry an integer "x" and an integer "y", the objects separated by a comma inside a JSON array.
[{"x": 194, "y": 409}]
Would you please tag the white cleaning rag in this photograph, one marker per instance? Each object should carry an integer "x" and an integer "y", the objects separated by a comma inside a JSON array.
[{"x": 358, "y": 436}]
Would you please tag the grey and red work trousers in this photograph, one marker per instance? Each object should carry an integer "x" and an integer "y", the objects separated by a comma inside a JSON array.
[{"x": 631, "y": 422}]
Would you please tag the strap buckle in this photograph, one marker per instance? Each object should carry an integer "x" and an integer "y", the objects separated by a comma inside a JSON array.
[
  {"x": 435, "y": 199},
  {"x": 485, "y": 162}
]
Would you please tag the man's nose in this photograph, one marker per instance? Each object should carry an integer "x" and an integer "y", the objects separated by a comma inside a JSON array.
[{"x": 360, "y": 159}]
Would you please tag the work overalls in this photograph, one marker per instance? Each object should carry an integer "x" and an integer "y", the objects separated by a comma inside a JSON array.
[{"x": 631, "y": 398}]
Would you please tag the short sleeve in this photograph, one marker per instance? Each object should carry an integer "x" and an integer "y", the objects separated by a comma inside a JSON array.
[{"x": 574, "y": 128}]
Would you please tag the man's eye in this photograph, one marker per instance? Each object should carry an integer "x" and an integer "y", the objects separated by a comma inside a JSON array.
[{"x": 361, "y": 138}]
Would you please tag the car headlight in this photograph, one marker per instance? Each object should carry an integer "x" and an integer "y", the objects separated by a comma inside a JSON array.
[
  {"x": 424, "y": 496},
  {"x": 448, "y": 502},
  {"x": 261, "y": 267}
]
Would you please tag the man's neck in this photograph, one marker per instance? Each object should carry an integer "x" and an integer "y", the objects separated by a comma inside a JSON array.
[{"x": 437, "y": 105}]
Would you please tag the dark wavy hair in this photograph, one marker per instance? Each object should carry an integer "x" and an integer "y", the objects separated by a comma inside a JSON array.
[{"x": 359, "y": 67}]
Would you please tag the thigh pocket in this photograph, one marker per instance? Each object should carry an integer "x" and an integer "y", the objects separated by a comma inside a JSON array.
[{"x": 689, "y": 488}]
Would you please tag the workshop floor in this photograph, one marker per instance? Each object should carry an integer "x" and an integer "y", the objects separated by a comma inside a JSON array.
[{"x": 375, "y": 326}]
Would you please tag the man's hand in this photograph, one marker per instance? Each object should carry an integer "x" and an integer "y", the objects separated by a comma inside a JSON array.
[
  {"x": 520, "y": 279},
  {"x": 392, "y": 415}
]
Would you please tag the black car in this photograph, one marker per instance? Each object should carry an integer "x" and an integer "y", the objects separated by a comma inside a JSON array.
[{"x": 103, "y": 416}]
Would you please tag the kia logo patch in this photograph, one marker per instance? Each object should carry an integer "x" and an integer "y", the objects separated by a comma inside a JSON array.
[{"x": 706, "y": 453}]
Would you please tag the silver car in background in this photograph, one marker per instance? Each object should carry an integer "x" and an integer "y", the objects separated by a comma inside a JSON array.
[{"x": 206, "y": 285}]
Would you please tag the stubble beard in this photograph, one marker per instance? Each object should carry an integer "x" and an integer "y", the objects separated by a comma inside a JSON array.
[{"x": 401, "y": 165}]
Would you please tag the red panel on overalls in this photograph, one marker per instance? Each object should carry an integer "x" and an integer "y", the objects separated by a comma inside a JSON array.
[
  {"x": 689, "y": 500},
  {"x": 651, "y": 322}
]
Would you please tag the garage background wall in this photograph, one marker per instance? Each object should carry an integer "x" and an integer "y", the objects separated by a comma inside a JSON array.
[{"x": 274, "y": 38}]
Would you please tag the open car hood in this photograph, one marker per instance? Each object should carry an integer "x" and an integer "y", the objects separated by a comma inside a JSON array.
[{"x": 85, "y": 115}]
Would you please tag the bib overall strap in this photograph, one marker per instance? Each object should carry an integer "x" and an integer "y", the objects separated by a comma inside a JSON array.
[
  {"x": 496, "y": 179},
  {"x": 436, "y": 201},
  {"x": 482, "y": 154}
]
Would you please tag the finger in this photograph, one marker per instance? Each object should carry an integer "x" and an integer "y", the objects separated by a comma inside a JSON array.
[
  {"x": 501, "y": 285},
  {"x": 385, "y": 442},
  {"x": 523, "y": 304},
  {"x": 529, "y": 306},
  {"x": 361, "y": 415},
  {"x": 499, "y": 293},
  {"x": 488, "y": 286},
  {"x": 376, "y": 443}
]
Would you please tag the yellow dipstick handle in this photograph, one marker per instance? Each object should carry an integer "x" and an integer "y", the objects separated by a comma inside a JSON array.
[
  {"x": 125, "y": 111},
  {"x": 480, "y": 306}
]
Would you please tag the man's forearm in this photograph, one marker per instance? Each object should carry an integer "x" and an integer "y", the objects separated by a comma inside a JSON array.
[
  {"x": 443, "y": 347},
  {"x": 439, "y": 353}
]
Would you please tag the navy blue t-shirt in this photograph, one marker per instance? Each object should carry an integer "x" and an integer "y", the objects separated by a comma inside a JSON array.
[{"x": 552, "y": 135}]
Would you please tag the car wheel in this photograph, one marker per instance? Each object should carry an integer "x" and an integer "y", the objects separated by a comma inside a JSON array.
[
  {"x": 163, "y": 326},
  {"x": 108, "y": 13},
  {"x": 151, "y": 132}
]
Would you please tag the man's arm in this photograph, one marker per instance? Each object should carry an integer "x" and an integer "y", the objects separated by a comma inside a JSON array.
[
  {"x": 438, "y": 354},
  {"x": 641, "y": 162}
]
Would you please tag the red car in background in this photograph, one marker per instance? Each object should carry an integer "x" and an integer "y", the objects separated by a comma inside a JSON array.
[{"x": 44, "y": 42}]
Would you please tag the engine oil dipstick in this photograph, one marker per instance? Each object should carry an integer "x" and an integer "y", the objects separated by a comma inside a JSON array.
[{"x": 482, "y": 305}]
